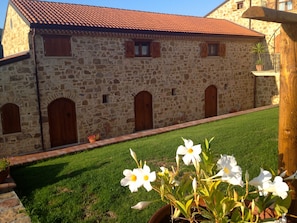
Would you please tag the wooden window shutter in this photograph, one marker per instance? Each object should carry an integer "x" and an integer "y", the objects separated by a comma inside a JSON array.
[
  {"x": 129, "y": 49},
  {"x": 222, "y": 50},
  {"x": 10, "y": 117},
  {"x": 57, "y": 45},
  {"x": 155, "y": 49},
  {"x": 203, "y": 50}
]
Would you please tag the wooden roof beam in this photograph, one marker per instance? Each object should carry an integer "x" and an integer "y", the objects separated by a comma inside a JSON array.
[{"x": 269, "y": 15}]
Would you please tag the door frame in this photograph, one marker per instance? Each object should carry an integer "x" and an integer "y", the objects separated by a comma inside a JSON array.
[
  {"x": 62, "y": 119},
  {"x": 211, "y": 101},
  {"x": 143, "y": 111}
]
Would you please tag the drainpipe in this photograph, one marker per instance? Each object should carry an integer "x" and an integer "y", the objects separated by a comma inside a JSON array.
[
  {"x": 37, "y": 89},
  {"x": 250, "y": 20}
]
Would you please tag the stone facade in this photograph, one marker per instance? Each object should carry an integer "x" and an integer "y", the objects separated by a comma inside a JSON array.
[
  {"x": 18, "y": 86},
  {"x": 229, "y": 10},
  {"x": 15, "y": 35},
  {"x": 98, "y": 67}
]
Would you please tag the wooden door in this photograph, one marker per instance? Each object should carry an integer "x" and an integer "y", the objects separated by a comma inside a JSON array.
[
  {"x": 210, "y": 101},
  {"x": 143, "y": 111},
  {"x": 62, "y": 122}
]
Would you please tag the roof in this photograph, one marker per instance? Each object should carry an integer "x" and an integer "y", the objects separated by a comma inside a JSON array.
[{"x": 55, "y": 15}]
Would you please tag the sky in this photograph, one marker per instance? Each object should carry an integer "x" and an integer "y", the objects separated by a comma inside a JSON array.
[{"x": 181, "y": 7}]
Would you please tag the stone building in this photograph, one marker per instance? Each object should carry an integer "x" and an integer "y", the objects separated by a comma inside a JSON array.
[
  {"x": 232, "y": 10},
  {"x": 71, "y": 70}
]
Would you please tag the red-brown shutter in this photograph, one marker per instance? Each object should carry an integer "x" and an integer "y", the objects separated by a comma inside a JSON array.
[
  {"x": 129, "y": 48},
  {"x": 203, "y": 50},
  {"x": 155, "y": 49},
  {"x": 57, "y": 45},
  {"x": 10, "y": 117},
  {"x": 222, "y": 50}
]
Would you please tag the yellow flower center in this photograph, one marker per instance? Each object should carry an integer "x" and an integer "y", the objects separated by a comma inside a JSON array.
[
  {"x": 226, "y": 170},
  {"x": 133, "y": 178},
  {"x": 190, "y": 150},
  {"x": 146, "y": 177}
]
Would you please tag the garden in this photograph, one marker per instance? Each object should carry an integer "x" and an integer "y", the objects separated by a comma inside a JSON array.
[{"x": 85, "y": 187}]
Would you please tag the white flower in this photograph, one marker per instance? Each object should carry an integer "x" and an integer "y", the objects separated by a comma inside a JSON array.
[
  {"x": 147, "y": 177},
  {"x": 229, "y": 170},
  {"x": 278, "y": 187},
  {"x": 133, "y": 179},
  {"x": 133, "y": 154},
  {"x": 263, "y": 181},
  {"x": 141, "y": 205},
  {"x": 190, "y": 151},
  {"x": 194, "y": 185},
  {"x": 264, "y": 176}
]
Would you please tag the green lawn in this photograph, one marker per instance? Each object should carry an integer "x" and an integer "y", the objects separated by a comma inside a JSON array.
[{"x": 85, "y": 187}]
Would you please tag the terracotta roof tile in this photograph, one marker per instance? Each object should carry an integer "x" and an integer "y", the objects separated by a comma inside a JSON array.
[{"x": 41, "y": 13}]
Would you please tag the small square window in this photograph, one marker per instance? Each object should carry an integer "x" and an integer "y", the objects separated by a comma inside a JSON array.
[
  {"x": 239, "y": 5},
  {"x": 213, "y": 49},
  {"x": 105, "y": 98},
  {"x": 173, "y": 91},
  {"x": 142, "y": 49}
]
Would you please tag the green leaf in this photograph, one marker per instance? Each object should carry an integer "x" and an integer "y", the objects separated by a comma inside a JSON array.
[
  {"x": 182, "y": 208},
  {"x": 188, "y": 206},
  {"x": 282, "y": 205}
]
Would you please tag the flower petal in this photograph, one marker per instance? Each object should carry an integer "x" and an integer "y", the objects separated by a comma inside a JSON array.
[{"x": 141, "y": 205}]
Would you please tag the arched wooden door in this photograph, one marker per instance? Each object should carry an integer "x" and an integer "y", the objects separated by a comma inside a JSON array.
[
  {"x": 143, "y": 111},
  {"x": 210, "y": 101},
  {"x": 62, "y": 122}
]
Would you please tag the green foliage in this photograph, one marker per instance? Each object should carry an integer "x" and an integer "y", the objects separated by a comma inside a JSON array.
[
  {"x": 259, "y": 49},
  {"x": 84, "y": 188},
  {"x": 4, "y": 163}
]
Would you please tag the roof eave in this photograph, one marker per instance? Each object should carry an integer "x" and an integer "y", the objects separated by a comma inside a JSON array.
[{"x": 133, "y": 31}]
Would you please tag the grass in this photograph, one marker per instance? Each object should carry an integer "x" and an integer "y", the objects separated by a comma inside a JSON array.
[{"x": 85, "y": 187}]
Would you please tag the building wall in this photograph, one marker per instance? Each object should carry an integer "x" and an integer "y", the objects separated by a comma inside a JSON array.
[
  {"x": 271, "y": 30},
  {"x": 18, "y": 87},
  {"x": 98, "y": 66},
  {"x": 267, "y": 86},
  {"x": 15, "y": 33}
]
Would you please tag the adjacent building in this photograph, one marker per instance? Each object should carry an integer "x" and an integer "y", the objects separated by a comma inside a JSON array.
[
  {"x": 232, "y": 10},
  {"x": 73, "y": 70}
]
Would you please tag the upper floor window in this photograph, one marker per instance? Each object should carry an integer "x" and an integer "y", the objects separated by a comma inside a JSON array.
[
  {"x": 239, "y": 5},
  {"x": 285, "y": 5},
  {"x": 57, "y": 45},
  {"x": 10, "y": 118},
  {"x": 142, "y": 48},
  {"x": 212, "y": 49}
]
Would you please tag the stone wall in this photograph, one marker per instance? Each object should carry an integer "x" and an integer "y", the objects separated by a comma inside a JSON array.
[
  {"x": 98, "y": 67},
  {"x": 15, "y": 33},
  {"x": 267, "y": 85},
  {"x": 18, "y": 86}
]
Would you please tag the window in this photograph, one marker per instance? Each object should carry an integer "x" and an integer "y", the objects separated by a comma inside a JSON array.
[
  {"x": 10, "y": 117},
  {"x": 239, "y": 5},
  {"x": 212, "y": 49},
  {"x": 285, "y": 5},
  {"x": 142, "y": 48},
  {"x": 105, "y": 98},
  {"x": 173, "y": 91},
  {"x": 57, "y": 45}
]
